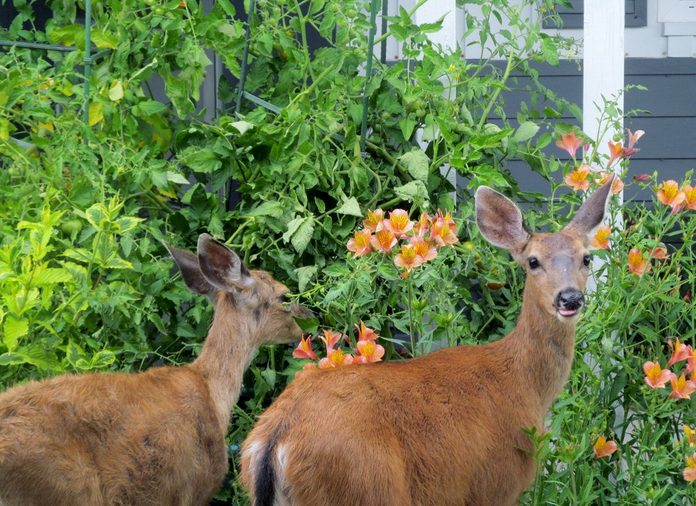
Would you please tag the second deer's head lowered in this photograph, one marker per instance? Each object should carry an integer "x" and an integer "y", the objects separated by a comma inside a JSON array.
[{"x": 218, "y": 272}]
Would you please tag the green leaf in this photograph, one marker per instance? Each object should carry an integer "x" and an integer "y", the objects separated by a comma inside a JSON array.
[
  {"x": 102, "y": 358},
  {"x": 300, "y": 232},
  {"x": 415, "y": 192},
  {"x": 417, "y": 163},
  {"x": 13, "y": 330},
  {"x": 97, "y": 216},
  {"x": 103, "y": 39},
  {"x": 116, "y": 91},
  {"x": 550, "y": 51},
  {"x": 126, "y": 224},
  {"x": 304, "y": 276},
  {"x": 407, "y": 125},
  {"x": 96, "y": 113},
  {"x": 242, "y": 126},
  {"x": 526, "y": 131},
  {"x": 274, "y": 209},
  {"x": 176, "y": 177},
  {"x": 51, "y": 276},
  {"x": 148, "y": 108},
  {"x": 350, "y": 207},
  {"x": 203, "y": 160}
]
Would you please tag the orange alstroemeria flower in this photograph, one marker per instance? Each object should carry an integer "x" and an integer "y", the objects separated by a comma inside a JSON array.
[
  {"x": 444, "y": 231},
  {"x": 577, "y": 179},
  {"x": 373, "y": 220},
  {"x": 616, "y": 151},
  {"x": 655, "y": 376},
  {"x": 330, "y": 339},
  {"x": 659, "y": 253},
  {"x": 365, "y": 333},
  {"x": 335, "y": 358},
  {"x": 670, "y": 195},
  {"x": 691, "y": 363},
  {"x": 632, "y": 139},
  {"x": 360, "y": 244},
  {"x": 690, "y": 469},
  {"x": 682, "y": 388},
  {"x": 604, "y": 448},
  {"x": 422, "y": 225},
  {"x": 689, "y": 196},
  {"x": 601, "y": 238},
  {"x": 690, "y": 435},
  {"x": 636, "y": 263},
  {"x": 398, "y": 223},
  {"x": 408, "y": 259},
  {"x": 383, "y": 241},
  {"x": 570, "y": 143},
  {"x": 424, "y": 249},
  {"x": 304, "y": 349},
  {"x": 680, "y": 351},
  {"x": 617, "y": 186},
  {"x": 369, "y": 352}
]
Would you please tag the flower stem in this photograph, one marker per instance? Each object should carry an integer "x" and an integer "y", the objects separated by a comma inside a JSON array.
[{"x": 410, "y": 316}]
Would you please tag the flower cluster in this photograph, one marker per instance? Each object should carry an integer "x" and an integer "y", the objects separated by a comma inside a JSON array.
[
  {"x": 367, "y": 350},
  {"x": 638, "y": 262},
  {"x": 682, "y": 386},
  {"x": 420, "y": 239},
  {"x": 579, "y": 179},
  {"x": 679, "y": 199}
]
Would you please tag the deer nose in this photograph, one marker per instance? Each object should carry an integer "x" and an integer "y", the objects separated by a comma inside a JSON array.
[{"x": 570, "y": 298}]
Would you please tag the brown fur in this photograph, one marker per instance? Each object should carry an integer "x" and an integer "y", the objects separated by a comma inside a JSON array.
[
  {"x": 444, "y": 429},
  {"x": 153, "y": 438}
]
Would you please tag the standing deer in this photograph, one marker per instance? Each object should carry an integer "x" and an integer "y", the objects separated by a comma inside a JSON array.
[
  {"x": 443, "y": 429},
  {"x": 153, "y": 438}
]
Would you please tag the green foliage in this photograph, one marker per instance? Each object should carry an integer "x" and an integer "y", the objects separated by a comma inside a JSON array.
[{"x": 84, "y": 279}]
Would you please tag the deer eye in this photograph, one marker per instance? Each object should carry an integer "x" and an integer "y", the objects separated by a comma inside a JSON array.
[
  {"x": 586, "y": 260},
  {"x": 533, "y": 262}
]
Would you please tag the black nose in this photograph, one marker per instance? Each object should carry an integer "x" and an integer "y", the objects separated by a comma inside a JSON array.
[{"x": 570, "y": 298}]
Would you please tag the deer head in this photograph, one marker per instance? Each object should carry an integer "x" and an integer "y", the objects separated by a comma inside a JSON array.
[
  {"x": 218, "y": 272},
  {"x": 556, "y": 264}
]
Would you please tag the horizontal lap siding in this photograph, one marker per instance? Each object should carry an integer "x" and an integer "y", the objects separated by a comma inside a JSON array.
[{"x": 669, "y": 119}]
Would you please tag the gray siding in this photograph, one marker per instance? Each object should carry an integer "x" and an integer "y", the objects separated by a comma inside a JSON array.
[{"x": 668, "y": 115}]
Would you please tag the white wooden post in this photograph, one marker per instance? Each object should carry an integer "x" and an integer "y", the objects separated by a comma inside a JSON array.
[
  {"x": 603, "y": 61},
  {"x": 603, "y": 67}
]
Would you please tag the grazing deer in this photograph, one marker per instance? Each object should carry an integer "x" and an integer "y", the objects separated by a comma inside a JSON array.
[
  {"x": 443, "y": 429},
  {"x": 153, "y": 438}
]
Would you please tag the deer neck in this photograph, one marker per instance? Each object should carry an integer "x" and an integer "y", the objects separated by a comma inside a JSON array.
[
  {"x": 226, "y": 353},
  {"x": 543, "y": 347}
]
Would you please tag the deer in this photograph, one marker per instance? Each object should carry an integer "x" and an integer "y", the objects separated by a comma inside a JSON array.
[
  {"x": 448, "y": 428},
  {"x": 151, "y": 438}
]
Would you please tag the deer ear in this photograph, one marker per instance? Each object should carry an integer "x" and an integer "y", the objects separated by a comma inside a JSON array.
[
  {"x": 221, "y": 266},
  {"x": 500, "y": 220},
  {"x": 187, "y": 263},
  {"x": 592, "y": 212}
]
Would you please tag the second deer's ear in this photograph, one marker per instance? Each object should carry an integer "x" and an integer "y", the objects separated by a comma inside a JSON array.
[
  {"x": 591, "y": 213},
  {"x": 500, "y": 220},
  {"x": 221, "y": 266},
  {"x": 187, "y": 263}
]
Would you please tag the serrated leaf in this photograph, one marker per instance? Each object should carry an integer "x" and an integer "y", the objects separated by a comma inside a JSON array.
[
  {"x": 417, "y": 163},
  {"x": 51, "y": 276},
  {"x": 97, "y": 215},
  {"x": 274, "y": 209},
  {"x": 415, "y": 192},
  {"x": 350, "y": 207},
  {"x": 13, "y": 330},
  {"x": 300, "y": 239},
  {"x": 526, "y": 131},
  {"x": 103, "y": 39},
  {"x": 148, "y": 108},
  {"x": 126, "y": 224},
  {"x": 96, "y": 113},
  {"x": 102, "y": 358},
  {"x": 304, "y": 276},
  {"x": 116, "y": 262}
]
